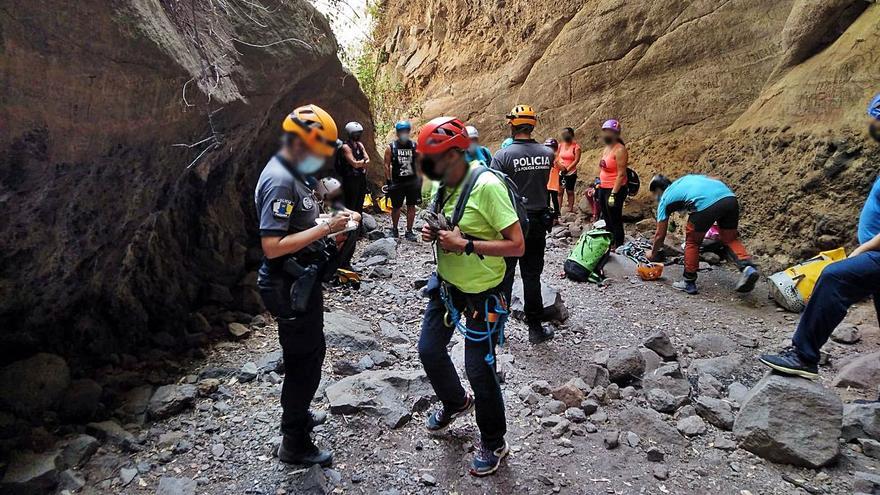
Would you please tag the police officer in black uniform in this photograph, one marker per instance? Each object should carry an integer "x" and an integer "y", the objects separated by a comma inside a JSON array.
[
  {"x": 295, "y": 258},
  {"x": 528, "y": 163}
]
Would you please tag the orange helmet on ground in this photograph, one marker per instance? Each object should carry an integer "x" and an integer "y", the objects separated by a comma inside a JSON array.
[
  {"x": 522, "y": 115},
  {"x": 315, "y": 126},
  {"x": 649, "y": 271}
]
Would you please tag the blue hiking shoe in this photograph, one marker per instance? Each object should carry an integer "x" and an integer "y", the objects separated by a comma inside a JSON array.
[
  {"x": 441, "y": 418},
  {"x": 788, "y": 362},
  {"x": 486, "y": 461},
  {"x": 688, "y": 286},
  {"x": 747, "y": 279}
]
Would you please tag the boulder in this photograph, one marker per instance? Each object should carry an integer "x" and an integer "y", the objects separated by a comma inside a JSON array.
[
  {"x": 238, "y": 330},
  {"x": 651, "y": 426},
  {"x": 391, "y": 333},
  {"x": 568, "y": 394},
  {"x": 111, "y": 432},
  {"x": 33, "y": 385},
  {"x": 659, "y": 342},
  {"x": 78, "y": 450},
  {"x": 541, "y": 386},
  {"x": 386, "y": 394},
  {"x": 861, "y": 421},
  {"x": 652, "y": 359},
  {"x": 716, "y": 411},
  {"x": 80, "y": 401},
  {"x": 313, "y": 482},
  {"x": 271, "y": 361},
  {"x": 691, "y": 426},
  {"x": 134, "y": 404},
  {"x": 30, "y": 472},
  {"x": 176, "y": 486},
  {"x": 369, "y": 222},
  {"x": 168, "y": 400},
  {"x": 663, "y": 401},
  {"x": 846, "y": 334},
  {"x": 791, "y": 421},
  {"x": 723, "y": 368},
  {"x": 554, "y": 307},
  {"x": 863, "y": 372},
  {"x": 385, "y": 247},
  {"x": 595, "y": 376},
  {"x": 346, "y": 331},
  {"x": 248, "y": 372},
  {"x": 737, "y": 392},
  {"x": 710, "y": 345},
  {"x": 866, "y": 483},
  {"x": 625, "y": 365}
]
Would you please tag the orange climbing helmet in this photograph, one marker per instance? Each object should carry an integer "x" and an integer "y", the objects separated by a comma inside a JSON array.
[
  {"x": 315, "y": 126},
  {"x": 522, "y": 115},
  {"x": 649, "y": 271}
]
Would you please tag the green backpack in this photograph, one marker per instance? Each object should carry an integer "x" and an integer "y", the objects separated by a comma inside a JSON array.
[{"x": 589, "y": 255}]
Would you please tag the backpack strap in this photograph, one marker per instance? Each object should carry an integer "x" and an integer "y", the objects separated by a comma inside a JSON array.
[{"x": 465, "y": 193}]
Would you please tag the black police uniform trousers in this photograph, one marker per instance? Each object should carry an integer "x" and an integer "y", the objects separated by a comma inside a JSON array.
[
  {"x": 531, "y": 265},
  {"x": 435, "y": 336},
  {"x": 302, "y": 344}
]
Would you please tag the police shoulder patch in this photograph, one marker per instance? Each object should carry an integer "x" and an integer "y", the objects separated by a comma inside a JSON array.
[{"x": 282, "y": 208}]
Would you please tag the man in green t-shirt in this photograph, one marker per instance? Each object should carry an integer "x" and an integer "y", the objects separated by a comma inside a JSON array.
[{"x": 470, "y": 270}]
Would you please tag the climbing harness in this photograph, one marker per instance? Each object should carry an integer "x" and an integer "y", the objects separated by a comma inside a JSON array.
[
  {"x": 635, "y": 250},
  {"x": 494, "y": 315}
]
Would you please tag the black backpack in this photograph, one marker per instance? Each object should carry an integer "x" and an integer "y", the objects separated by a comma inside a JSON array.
[
  {"x": 340, "y": 164},
  {"x": 512, "y": 192},
  {"x": 633, "y": 183}
]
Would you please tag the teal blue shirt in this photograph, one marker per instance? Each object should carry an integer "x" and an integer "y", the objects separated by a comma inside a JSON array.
[{"x": 691, "y": 193}]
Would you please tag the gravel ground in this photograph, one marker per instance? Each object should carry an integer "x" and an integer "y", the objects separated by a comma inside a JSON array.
[{"x": 225, "y": 443}]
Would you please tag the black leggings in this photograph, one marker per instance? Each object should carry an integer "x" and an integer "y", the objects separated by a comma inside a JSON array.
[
  {"x": 354, "y": 189},
  {"x": 554, "y": 199},
  {"x": 613, "y": 215}
]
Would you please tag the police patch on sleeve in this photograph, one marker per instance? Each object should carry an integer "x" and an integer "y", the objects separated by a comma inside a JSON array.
[{"x": 282, "y": 208}]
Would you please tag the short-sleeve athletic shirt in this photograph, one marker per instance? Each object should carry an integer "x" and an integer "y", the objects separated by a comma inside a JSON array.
[
  {"x": 691, "y": 193},
  {"x": 285, "y": 203},
  {"x": 487, "y": 213}
]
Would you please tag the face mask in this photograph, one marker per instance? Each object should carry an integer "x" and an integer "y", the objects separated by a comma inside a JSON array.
[
  {"x": 473, "y": 147},
  {"x": 310, "y": 164},
  {"x": 874, "y": 131},
  {"x": 403, "y": 136},
  {"x": 356, "y": 137},
  {"x": 568, "y": 139},
  {"x": 608, "y": 140}
]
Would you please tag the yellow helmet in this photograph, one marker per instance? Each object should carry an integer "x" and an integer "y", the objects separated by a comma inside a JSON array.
[
  {"x": 315, "y": 126},
  {"x": 522, "y": 115}
]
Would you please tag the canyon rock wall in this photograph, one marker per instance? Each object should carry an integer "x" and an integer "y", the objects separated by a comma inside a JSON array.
[
  {"x": 107, "y": 240},
  {"x": 770, "y": 96}
]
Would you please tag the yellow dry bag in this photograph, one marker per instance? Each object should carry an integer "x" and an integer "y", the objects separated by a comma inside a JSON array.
[{"x": 793, "y": 287}]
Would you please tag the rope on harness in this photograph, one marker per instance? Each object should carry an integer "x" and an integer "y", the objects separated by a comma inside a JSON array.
[
  {"x": 453, "y": 317},
  {"x": 636, "y": 250}
]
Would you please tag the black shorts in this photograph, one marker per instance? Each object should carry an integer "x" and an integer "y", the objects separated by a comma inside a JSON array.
[
  {"x": 725, "y": 211},
  {"x": 568, "y": 181},
  {"x": 407, "y": 192}
]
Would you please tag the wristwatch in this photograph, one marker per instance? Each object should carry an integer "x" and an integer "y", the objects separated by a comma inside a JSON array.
[{"x": 469, "y": 247}]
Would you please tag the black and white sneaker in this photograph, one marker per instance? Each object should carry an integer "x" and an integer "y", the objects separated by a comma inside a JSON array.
[
  {"x": 441, "y": 418},
  {"x": 788, "y": 362}
]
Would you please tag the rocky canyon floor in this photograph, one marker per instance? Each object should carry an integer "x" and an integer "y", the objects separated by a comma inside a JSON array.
[{"x": 612, "y": 439}]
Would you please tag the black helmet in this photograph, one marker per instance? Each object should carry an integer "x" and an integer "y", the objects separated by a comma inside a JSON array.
[{"x": 659, "y": 182}]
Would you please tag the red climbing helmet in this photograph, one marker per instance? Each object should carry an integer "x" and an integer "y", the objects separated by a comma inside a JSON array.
[{"x": 442, "y": 134}]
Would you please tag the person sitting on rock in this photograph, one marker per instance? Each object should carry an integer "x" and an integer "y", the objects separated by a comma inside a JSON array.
[
  {"x": 294, "y": 261},
  {"x": 470, "y": 271},
  {"x": 840, "y": 285},
  {"x": 708, "y": 201}
]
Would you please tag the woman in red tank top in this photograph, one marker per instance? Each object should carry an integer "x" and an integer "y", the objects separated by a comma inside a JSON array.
[
  {"x": 569, "y": 158},
  {"x": 612, "y": 179}
]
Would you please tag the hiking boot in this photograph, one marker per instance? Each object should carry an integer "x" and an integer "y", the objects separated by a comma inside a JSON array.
[
  {"x": 303, "y": 451},
  {"x": 394, "y": 233},
  {"x": 538, "y": 333},
  {"x": 688, "y": 286},
  {"x": 788, "y": 362},
  {"x": 316, "y": 419},
  {"x": 441, "y": 418},
  {"x": 410, "y": 235},
  {"x": 486, "y": 461},
  {"x": 747, "y": 280}
]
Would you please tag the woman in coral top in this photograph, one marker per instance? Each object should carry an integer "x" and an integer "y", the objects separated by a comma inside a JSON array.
[
  {"x": 569, "y": 157},
  {"x": 612, "y": 179}
]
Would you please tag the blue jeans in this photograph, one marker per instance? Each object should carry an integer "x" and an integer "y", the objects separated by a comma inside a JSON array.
[
  {"x": 441, "y": 372},
  {"x": 841, "y": 285}
]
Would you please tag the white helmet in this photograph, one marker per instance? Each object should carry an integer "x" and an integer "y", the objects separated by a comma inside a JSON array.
[
  {"x": 327, "y": 188},
  {"x": 353, "y": 128},
  {"x": 472, "y": 131}
]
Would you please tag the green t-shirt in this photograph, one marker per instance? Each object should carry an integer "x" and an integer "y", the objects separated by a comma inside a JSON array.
[{"x": 487, "y": 213}]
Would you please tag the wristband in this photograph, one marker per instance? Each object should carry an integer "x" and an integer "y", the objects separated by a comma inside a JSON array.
[{"x": 469, "y": 247}]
